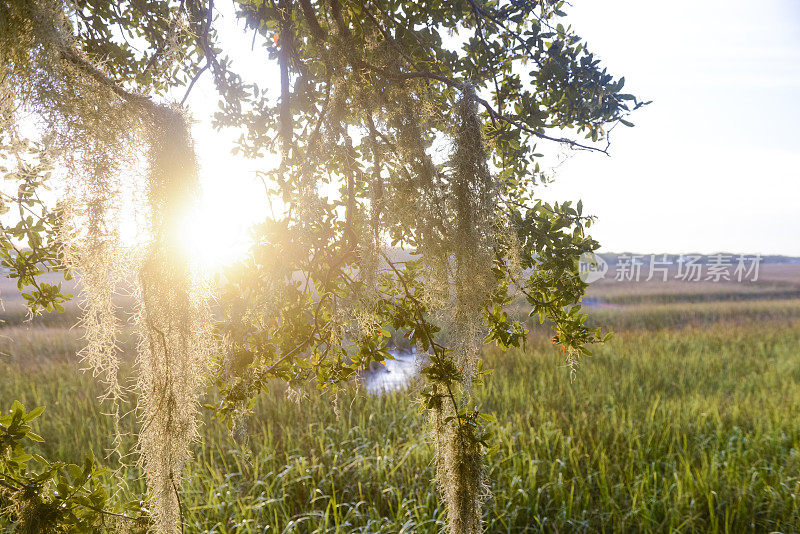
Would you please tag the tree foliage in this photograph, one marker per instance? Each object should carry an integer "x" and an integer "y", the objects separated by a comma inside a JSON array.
[
  {"x": 44, "y": 497},
  {"x": 424, "y": 118}
]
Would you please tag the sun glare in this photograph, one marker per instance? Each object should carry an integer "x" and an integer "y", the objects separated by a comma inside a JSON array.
[
  {"x": 217, "y": 232},
  {"x": 208, "y": 240}
]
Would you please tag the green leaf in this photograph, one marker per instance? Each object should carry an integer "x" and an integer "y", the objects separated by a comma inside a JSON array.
[
  {"x": 35, "y": 437},
  {"x": 33, "y": 414}
]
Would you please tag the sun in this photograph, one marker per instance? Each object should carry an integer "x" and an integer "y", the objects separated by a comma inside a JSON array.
[
  {"x": 216, "y": 232},
  {"x": 211, "y": 240}
]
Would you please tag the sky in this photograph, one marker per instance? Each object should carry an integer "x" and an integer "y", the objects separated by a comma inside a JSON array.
[{"x": 713, "y": 164}]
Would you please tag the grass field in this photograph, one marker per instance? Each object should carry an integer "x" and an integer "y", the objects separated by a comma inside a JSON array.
[{"x": 687, "y": 420}]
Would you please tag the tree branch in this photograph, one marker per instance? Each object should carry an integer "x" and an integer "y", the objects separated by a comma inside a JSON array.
[
  {"x": 451, "y": 82},
  {"x": 336, "y": 13},
  {"x": 73, "y": 57},
  {"x": 311, "y": 20},
  {"x": 284, "y": 55},
  {"x": 209, "y": 53}
]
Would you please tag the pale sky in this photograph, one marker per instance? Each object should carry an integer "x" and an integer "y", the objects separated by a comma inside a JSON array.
[{"x": 713, "y": 163}]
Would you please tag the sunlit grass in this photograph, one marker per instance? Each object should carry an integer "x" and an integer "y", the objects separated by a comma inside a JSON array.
[{"x": 678, "y": 428}]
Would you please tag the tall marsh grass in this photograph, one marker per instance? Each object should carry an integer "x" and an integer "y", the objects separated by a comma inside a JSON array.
[{"x": 687, "y": 426}]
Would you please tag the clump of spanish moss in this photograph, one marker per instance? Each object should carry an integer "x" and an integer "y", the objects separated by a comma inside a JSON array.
[
  {"x": 93, "y": 249},
  {"x": 465, "y": 252},
  {"x": 459, "y": 469},
  {"x": 473, "y": 236},
  {"x": 174, "y": 353},
  {"x": 32, "y": 514}
]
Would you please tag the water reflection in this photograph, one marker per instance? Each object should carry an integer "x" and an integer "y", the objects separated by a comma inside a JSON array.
[{"x": 392, "y": 375}]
